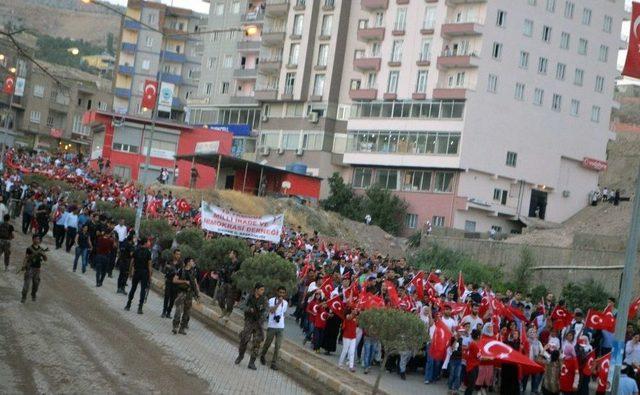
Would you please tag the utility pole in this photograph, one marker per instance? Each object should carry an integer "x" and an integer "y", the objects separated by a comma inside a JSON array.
[{"x": 615, "y": 365}]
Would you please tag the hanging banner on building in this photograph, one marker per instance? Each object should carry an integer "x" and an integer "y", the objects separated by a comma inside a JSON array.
[
  {"x": 150, "y": 94},
  {"x": 9, "y": 85},
  {"x": 594, "y": 164},
  {"x": 20, "y": 82},
  {"x": 632, "y": 63},
  {"x": 226, "y": 222},
  {"x": 166, "y": 96}
]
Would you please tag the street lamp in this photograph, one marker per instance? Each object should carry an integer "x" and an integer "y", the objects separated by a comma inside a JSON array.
[
  {"x": 1, "y": 57},
  {"x": 13, "y": 70},
  {"x": 73, "y": 51}
]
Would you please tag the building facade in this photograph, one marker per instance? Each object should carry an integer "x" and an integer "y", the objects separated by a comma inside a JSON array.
[{"x": 151, "y": 34}]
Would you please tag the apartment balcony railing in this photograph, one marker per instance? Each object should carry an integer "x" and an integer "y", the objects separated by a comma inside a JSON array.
[
  {"x": 241, "y": 73},
  {"x": 276, "y": 7},
  {"x": 423, "y": 109},
  {"x": 132, "y": 25},
  {"x": 122, "y": 92},
  {"x": 270, "y": 65},
  {"x": 371, "y": 34},
  {"x": 248, "y": 46},
  {"x": 452, "y": 59},
  {"x": 374, "y": 4},
  {"x": 174, "y": 57},
  {"x": 457, "y": 2},
  {"x": 129, "y": 47},
  {"x": 252, "y": 16},
  {"x": 242, "y": 99},
  {"x": 266, "y": 93},
  {"x": 126, "y": 69},
  {"x": 363, "y": 94},
  {"x": 273, "y": 37},
  {"x": 452, "y": 92},
  {"x": 462, "y": 27},
  {"x": 367, "y": 64},
  {"x": 172, "y": 78}
]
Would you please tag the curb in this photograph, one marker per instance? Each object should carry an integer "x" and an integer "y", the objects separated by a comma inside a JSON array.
[{"x": 320, "y": 375}]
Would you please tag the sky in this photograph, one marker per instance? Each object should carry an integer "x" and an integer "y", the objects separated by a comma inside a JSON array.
[{"x": 196, "y": 5}]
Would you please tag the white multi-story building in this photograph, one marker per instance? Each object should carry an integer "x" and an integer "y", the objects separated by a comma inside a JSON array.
[{"x": 478, "y": 113}]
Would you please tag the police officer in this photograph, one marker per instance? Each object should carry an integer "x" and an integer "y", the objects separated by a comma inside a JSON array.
[
  {"x": 33, "y": 259},
  {"x": 140, "y": 272},
  {"x": 227, "y": 292},
  {"x": 169, "y": 292},
  {"x": 6, "y": 234},
  {"x": 255, "y": 311},
  {"x": 186, "y": 288}
]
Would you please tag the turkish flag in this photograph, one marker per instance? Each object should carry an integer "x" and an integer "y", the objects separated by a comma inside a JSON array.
[
  {"x": 498, "y": 353},
  {"x": 352, "y": 291},
  {"x": 9, "y": 85},
  {"x": 632, "y": 64},
  {"x": 516, "y": 312},
  {"x": 327, "y": 287},
  {"x": 418, "y": 282},
  {"x": 524, "y": 339},
  {"x": 336, "y": 305},
  {"x": 461, "y": 287},
  {"x": 433, "y": 278},
  {"x": 568, "y": 372},
  {"x": 600, "y": 320},
  {"x": 406, "y": 303},
  {"x": 369, "y": 301},
  {"x": 183, "y": 206},
  {"x": 589, "y": 363},
  {"x": 304, "y": 271},
  {"x": 458, "y": 308},
  {"x": 440, "y": 341},
  {"x": 150, "y": 94},
  {"x": 635, "y": 306},
  {"x": 544, "y": 311},
  {"x": 485, "y": 303},
  {"x": 602, "y": 367},
  {"x": 561, "y": 317},
  {"x": 392, "y": 292}
]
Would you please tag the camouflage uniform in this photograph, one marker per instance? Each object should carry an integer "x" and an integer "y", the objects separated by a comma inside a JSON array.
[
  {"x": 34, "y": 258},
  {"x": 184, "y": 298},
  {"x": 255, "y": 312}
]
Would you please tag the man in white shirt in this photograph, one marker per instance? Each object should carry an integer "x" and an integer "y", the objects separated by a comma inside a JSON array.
[
  {"x": 448, "y": 319},
  {"x": 277, "y": 310},
  {"x": 473, "y": 319},
  {"x": 121, "y": 230},
  {"x": 71, "y": 227},
  {"x": 3, "y": 209}
]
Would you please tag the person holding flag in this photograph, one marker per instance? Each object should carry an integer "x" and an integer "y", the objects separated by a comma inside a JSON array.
[{"x": 349, "y": 327}]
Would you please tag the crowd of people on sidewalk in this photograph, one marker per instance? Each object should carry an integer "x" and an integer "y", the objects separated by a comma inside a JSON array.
[{"x": 336, "y": 283}]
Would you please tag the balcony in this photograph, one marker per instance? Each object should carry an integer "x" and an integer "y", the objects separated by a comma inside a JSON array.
[
  {"x": 126, "y": 69},
  {"x": 252, "y": 16},
  {"x": 132, "y": 25},
  {"x": 462, "y": 28},
  {"x": 451, "y": 93},
  {"x": 371, "y": 34},
  {"x": 367, "y": 64},
  {"x": 129, "y": 47},
  {"x": 273, "y": 38},
  {"x": 266, "y": 93},
  {"x": 245, "y": 74},
  {"x": 174, "y": 57},
  {"x": 172, "y": 78},
  {"x": 122, "y": 92},
  {"x": 277, "y": 8},
  {"x": 300, "y": 5},
  {"x": 328, "y": 5},
  {"x": 457, "y": 2},
  {"x": 248, "y": 46},
  {"x": 373, "y": 5},
  {"x": 363, "y": 94},
  {"x": 238, "y": 99},
  {"x": 449, "y": 61},
  {"x": 270, "y": 66}
]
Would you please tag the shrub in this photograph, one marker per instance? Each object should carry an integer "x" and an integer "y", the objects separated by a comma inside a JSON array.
[
  {"x": 414, "y": 240},
  {"x": 587, "y": 295},
  {"x": 386, "y": 209},
  {"x": 270, "y": 269},
  {"x": 522, "y": 272},
  {"x": 538, "y": 292},
  {"x": 160, "y": 229},
  {"x": 192, "y": 237},
  {"x": 214, "y": 254}
]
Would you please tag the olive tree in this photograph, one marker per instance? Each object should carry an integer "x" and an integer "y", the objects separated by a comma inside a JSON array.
[
  {"x": 214, "y": 254},
  {"x": 269, "y": 269}
]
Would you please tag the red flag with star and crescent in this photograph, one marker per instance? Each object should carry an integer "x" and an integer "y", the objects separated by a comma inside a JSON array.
[
  {"x": 633, "y": 309},
  {"x": 9, "y": 85},
  {"x": 150, "y": 94},
  {"x": 561, "y": 317},
  {"x": 440, "y": 341},
  {"x": 418, "y": 282},
  {"x": 327, "y": 287},
  {"x": 336, "y": 305},
  {"x": 602, "y": 367},
  {"x": 600, "y": 320},
  {"x": 632, "y": 63}
]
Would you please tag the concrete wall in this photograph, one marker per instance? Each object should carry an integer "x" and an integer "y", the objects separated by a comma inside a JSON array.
[{"x": 553, "y": 266}]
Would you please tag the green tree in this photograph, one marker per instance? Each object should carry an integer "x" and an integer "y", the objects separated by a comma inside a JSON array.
[
  {"x": 214, "y": 254},
  {"x": 342, "y": 199},
  {"x": 386, "y": 209},
  {"x": 159, "y": 229},
  {"x": 110, "y": 44},
  {"x": 396, "y": 330},
  {"x": 192, "y": 237},
  {"x": 522, "y": 272},
  {"x": 586, "y": 295},
  {"x": 538, "y": 292},
  {"x": 270, "y": 269}
]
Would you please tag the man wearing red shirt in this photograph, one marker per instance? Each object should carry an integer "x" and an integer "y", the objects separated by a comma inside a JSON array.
[
  {"x": 472, "y": 357},
  {"x": 104, "y": 246},
  {"x": 349, "y": 326},
  {"x": 569, "y": 376}
]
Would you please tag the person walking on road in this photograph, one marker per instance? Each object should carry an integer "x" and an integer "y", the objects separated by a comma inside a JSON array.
[
  {"x": 227, "y": 293},
  {"x": 254, "y": 314},
  {"x": 6, "y": 235},
  {"x": 104, "y": 246},
  {"x": 186, "y": 288},
  {"x": 124, "y": 263},
  {"x": 28, "y": 209},
  {"x": 275, "y": 328},
  {"x": 83, "y": 248},
  {"x": 32, "y": 264},
  {"x": 140, "y": 273},
  {"x": 169, "y": 292}
]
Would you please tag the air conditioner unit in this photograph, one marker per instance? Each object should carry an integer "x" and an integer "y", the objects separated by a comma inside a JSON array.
[
  {"x": 280, "y": 151},
  {"x": 313, "y": 117},
  {"x": 300, "y": 151},
  {"x": 265, "y": 118},
  {"x": 566, "y": 193},
  {"x": 264, "y": 151}
]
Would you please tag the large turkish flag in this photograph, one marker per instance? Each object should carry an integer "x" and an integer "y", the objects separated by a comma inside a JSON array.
[
  {"x": 9, "y": 85},
  {"x": 150, "y": 94},
  {"x": 632, "y": 64}
]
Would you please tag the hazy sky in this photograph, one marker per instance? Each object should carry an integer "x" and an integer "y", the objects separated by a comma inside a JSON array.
[{"x": 196, "y": 5}]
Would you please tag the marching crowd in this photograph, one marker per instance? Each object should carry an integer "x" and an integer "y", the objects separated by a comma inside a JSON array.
[{"x": 478, "y": 339}]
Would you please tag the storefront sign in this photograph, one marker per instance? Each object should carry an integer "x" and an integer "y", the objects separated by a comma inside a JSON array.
[
  {"x": 207, "y": 147},
  {"x": 216, "y": 219},
  {"x": 594, "y": 164}
]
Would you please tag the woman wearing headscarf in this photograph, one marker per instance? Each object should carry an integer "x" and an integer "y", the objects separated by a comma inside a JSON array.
[{"x": 536, "y": 353}]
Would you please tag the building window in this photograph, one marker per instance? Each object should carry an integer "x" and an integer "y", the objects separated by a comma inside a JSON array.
[
  {"x": 372, "y": 79},
  {"x": 501, "y": 18},
  {"x": 603, "y": 56},
  {"x": 595, "y": 114},
  {"x": 492, "y": 84},
  {"x": 149, "y": 41},
  {"x": 211, "y": 62},
  {"x": 437, "y": 221},
  {"x": 512, "y": 159},
  {"x": 228, "y": 62},
  {"x": 543, "y": 63},
  {"x": 556, "y": 102},
  {"x": 34, "y": 116},
  {"x": 396, "y": 51},
  {"x": 538, "y": 96},
  {"x": 38, "y": 91},
  {"x": 524, "y": 60},
  {"x": 208, "y": 88},
  {"x": 569, "y": 7},
  {"x": 496, "y": 52},
  {"x": 416, "y": 181},
  {"x": 362, "y": 177},
  {"x": 325, "y": 27},
  {"x": 551, "y": 5},
  {"x": 401, "y": 19},
  {"x": 323, "y": 54},
  {"x": 564, "y": 40},
  {"x": 421, "y": 83},
  {"x": 546, "y": 34},
  {"x": 575, "y": 107},
  {"x": 220, "y": 9},
  {"x": 318, "y": 85},
  {"x": 527, "y": 28},
  {"x": 123, "y": 172},
  {"x": 146, "y": 64},
  {"x": 224, "y": 88},
  {"x": 599, "y": 84},
  {"x": 560, "y": 71},
  {"x": 429, "y": 18},
  {"x": 607, "y": 24},
  {"x": 444, "y": 181},
  {"x": 289, "y": 82},
  {"x": 519, "y": 95},
  {"x": 387, "y": 179},
  {"x": 532, "y": 2},
  {"x": 583, "y": 45},
  {"x": 500, "y": 195},
  {"x": 457, "y": 80},
  {"x": 392, "y": 85},
  {"x": 586, "y": 16},
  {"x": 298, "y": 21},
  {"x": 578, "y": 77},
  {"x": 411, "y": 220},
  {"x": 294, "y": 52},
  {"x": 425, "y": 50}
]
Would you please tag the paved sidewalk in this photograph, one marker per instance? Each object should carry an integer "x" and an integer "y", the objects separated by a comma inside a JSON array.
[{"x": 202, "y": 352}]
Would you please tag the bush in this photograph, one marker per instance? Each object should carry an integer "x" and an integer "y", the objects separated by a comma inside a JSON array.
[
  {"x": 270, "y": 269},
  {"x": 414, "y": 240},
  {"x": 160, "y": 229},
  {"x": 522, "y": 272},
  {"x": 587, "y": 295},
  {"x": 214, "y": 254},
  {"x": 538, "y": 292},
  {"x": 192, "y": 237}
]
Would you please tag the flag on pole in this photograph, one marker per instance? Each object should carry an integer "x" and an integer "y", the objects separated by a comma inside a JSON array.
[{"x": 632, "y": 63}]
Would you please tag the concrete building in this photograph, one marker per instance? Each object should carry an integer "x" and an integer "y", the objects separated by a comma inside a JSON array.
[
  {"x": 103, "y": 62},
  {"x": 177, "y": 37}
]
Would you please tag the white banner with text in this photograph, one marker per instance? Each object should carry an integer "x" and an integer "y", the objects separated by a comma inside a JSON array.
[{"x": 219, "y": 220}]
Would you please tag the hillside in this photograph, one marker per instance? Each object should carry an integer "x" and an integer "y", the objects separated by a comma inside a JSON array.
[{"x": 61, "y": 18}]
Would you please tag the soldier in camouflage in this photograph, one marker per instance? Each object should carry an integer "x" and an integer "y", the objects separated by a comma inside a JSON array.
[
  {"x": 33, "y": 259},
  {"x": 255, "y": 312},
  {"x": 186, "y": 289}
]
